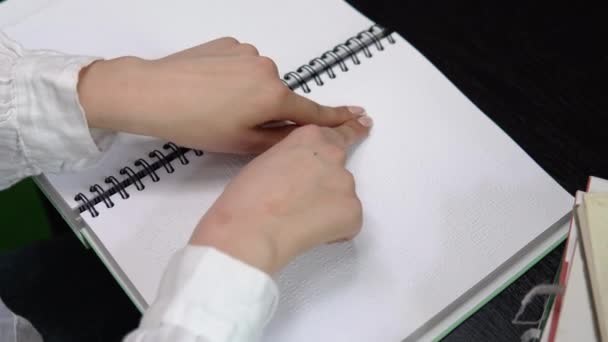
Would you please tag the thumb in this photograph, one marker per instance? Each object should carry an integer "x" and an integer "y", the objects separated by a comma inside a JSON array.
[
  {"x": 304, "y": 111},
  {"x": 352, "y": 131}
]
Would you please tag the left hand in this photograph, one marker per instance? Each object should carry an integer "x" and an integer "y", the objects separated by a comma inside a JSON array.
[
  {"x": 294, "y": 196},
  {"x": 214, "y": 97}
]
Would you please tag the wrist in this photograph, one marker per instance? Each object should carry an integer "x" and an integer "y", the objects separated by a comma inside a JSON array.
[
  {"x": 107, "y": 89},
  {"x": 253, "y": 248}
]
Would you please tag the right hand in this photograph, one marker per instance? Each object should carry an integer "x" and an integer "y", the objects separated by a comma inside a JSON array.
[
  {"x": 293, "y": 197},
  {"x": 216, "y": 97}
]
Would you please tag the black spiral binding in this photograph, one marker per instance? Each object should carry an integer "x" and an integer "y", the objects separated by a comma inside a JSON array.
[
  {"x": 338, "y": 56},
  {"x": 135, "y": 175},
  {"x": 300, "y": 78}
]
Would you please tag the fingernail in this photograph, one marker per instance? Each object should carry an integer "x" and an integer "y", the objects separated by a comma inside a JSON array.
[
  {"x": 366, "y": 121},
  {"x": 356, "y": 110}
]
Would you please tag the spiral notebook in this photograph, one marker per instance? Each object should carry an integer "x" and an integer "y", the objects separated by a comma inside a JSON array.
[{"x": 454, "y": 209}]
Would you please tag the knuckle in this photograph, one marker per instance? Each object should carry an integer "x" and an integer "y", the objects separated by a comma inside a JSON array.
[
  {"x": 280, "y": 91},
  {"x": 355, "y": 209},
  {"x": 344, "y": 181},
  {"x": 349, "y": 179},
  {"x": 229, "y": 40},
  {"x": 357, "y": 206},
  {"x": 248, "y": 49},
  {"x": 266, "y": 65}
]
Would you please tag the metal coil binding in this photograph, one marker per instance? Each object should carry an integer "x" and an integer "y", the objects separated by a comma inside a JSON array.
[
  {"x": 115, "y": 183},
  {"x": 149, "y": 170},
  {"x": 133, "y": 176},
  {"x": 299, "y": 79},
  {"x": 162, "y": 159},
  {"x": 182, "y": 157},
  {"x": 338, "y": 56}
]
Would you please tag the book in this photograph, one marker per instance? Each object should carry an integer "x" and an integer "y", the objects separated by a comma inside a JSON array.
[
  {"x": 572, "y": 307},
  {"x": 453, "y": 208},
  {"x": 576, "y": 319},
  {"x": 553, "y": 308},
  {"x": 593, "y": 230},
  {"x": 571, "y": 315}
]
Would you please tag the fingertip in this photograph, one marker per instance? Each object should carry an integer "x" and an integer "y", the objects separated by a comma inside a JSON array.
[
  {"x": 336, "y": 116},
  {"x": 362, "y": 126},
  {"x": 365, "y": 121},
  {"x": 356, "y": 110},
  {"x": 353, "y": 130}
]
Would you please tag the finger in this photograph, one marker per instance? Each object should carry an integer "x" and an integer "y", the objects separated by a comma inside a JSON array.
[
  {"x": 245, "y": 50},
  {"x": 241, "y": 49},
  {"x": 303, "y": 111},
  {"x": 351, "y": 132},
  {"x": 220, "y": 44},
  {"x": 221, "y": 47}
]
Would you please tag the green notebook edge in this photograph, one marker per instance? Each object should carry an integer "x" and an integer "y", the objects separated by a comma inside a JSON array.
[{"x": 501, "y": 288}]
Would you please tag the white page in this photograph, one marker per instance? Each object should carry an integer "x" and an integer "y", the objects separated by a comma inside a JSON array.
[
  {"x": 448, "y": 197},
  {"x": 288, "y": 31},
  {"x": 598, "y": 184},
  {"x": 12, "y": 11}
]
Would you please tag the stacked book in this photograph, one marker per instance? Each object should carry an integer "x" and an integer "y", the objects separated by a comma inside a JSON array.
[{"x": 580, "y": 311}]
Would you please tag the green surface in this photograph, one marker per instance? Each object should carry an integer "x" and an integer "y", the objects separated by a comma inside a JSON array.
[{"x": 23, "y": 217}]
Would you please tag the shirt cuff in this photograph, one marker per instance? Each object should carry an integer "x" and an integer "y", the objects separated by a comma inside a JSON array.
[
  {"x": 52, "y": 124},
  {"x": 214, "y": 296}
]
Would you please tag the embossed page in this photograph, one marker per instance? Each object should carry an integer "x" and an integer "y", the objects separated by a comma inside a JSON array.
[
  {"x": 288, "y": 31},
  {"x": 12, "y": 12},
  {"x": 448, "y": 197}
]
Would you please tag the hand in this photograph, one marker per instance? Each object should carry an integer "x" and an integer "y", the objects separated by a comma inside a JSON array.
[
  {"x": 291, "y": 198},
  {"x": 213, "y": 97}
]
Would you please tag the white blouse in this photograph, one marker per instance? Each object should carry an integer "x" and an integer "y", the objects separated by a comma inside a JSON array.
[{"x": 205, "y": 295}]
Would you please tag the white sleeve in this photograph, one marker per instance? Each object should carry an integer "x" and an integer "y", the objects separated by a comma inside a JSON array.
[
  {"x": 208, "y": 296},
  {"x": 42, "y": 124}
]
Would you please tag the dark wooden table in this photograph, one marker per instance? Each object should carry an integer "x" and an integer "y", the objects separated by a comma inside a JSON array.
[{"x": 537, "y": 70}]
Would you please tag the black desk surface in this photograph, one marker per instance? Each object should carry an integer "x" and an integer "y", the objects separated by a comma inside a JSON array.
[{"x": 537, "y": 71}]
